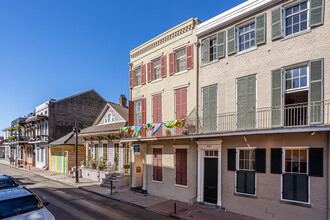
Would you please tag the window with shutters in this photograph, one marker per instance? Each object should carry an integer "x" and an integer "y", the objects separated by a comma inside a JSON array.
[
  {"x": 105, "y": 152},
  {"x": 210, "y": 108},
  {"x": 296, "y": 78},
  {"x": 138, "y": 113},
  {"x": 296, "y": 18},
  {"x": 181, "y": 60},
  {"x": 137, "y": 77},
  {"x": 245, "y": 174},
  {"x": 246, "y": 37},
  {"x": 213, "y": 49},
  {"x": 181, "y": 166},
  {"x": 180, "y": 106},
  {"x": 156, "y": 69},
  {"x": 295, "y": 179},
  {"x": 157, "y": 111},
  {"x": 157, "y": 165}
]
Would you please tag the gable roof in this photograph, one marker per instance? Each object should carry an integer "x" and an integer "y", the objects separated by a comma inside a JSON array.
[
  {"x": 103, "y": 129},
  {"x": 69, "y": 139},
  {"x": 78, "y": 94},
  {"x": 122, "y": 111}
]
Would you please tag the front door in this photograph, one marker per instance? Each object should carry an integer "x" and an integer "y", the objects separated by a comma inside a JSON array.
[
  {"x": 53, "y": 160},
  {"x": 211, "y": 180},
  {"x": 59, "y": 162}
]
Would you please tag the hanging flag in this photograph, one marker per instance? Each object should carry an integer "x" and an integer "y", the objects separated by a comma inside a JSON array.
[
  {"x": 156, "y": 128},
  {"x": 170, "y": 124},
  {"x": 137, "y": 131},
  {"x": 124, "y": 129},
  {"x": 180, "y": 123},
  {"x": 149, "y": 126}
]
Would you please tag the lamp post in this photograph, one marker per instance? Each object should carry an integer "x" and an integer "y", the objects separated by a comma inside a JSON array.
[{"x": 76, "y": 130}]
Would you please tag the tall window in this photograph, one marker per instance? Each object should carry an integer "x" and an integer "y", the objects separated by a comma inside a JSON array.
[
  {"x": 180, "y": 106},
  {"x": 96, "y": 150},
  {"x": 38, "y": 152},
  {"x": 156, "y": 69},
  {"x": 157, "y": 165},
  {"x": 181, "y": 60},
  {"x": 116, "y": 157},
  {"x": 157, "y": 111},
  {"x": 181, "y": 166},
  {"x": 296, "y": 18},
  {"x": 296, "y": 78},
  {"x": 245, "y": 175},
  {"x": 138, "y": 113},
  {"x": 209, "y": 103},
  {"x": 137, "y": 77},
  {"x": 105, "y": 152},
  {"x": 296, "y": 161},
  {"x": 213, "y": 49},
  {"x": 246, "y": 37}
]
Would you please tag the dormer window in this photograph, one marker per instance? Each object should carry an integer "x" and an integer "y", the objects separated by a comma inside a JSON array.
[{"x": 109, "y": 118}]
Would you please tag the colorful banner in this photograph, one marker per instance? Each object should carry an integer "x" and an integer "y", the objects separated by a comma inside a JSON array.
[
  {"x": 157, "y": 126},
  {"x": 170, "y": 124},
  {"x": 180, "y": 123},
  {"x": 137, "y": 131},
  {"x": 124, "y": 129}
]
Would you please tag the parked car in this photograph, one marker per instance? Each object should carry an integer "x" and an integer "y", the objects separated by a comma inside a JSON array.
[
  {"x": 21, "y": 203},
  {"x": 7, "y": 182}
]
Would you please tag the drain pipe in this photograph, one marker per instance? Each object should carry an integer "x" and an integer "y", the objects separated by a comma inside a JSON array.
[{"x": 328, "y": 185}]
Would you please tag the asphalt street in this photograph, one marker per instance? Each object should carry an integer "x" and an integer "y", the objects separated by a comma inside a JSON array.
[{"x": 67, "y": 202}]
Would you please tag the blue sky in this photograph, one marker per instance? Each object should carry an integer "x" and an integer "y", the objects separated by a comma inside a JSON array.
[{"x": 57, "y": 48}]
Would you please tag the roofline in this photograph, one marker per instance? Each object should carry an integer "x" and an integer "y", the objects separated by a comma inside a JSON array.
[
  {"x": 75, "y": 95},
  {"x": 233, "y": 14}
]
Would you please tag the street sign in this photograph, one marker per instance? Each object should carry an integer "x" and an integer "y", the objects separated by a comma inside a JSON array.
[{"x": 136, "y": 149}]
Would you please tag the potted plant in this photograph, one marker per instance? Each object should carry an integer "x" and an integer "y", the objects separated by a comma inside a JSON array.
[
  {"x": 168, "y": 132},
  {"x": 94, "y": 163},
  {"x": 102, "y": 164},
  {"x": 126, "y": 167}
]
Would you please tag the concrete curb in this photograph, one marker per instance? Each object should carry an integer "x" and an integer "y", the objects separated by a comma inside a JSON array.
[{"x": 129, "y": 203}]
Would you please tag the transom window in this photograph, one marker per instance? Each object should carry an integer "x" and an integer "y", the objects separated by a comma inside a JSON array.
[
  {"x": 137, "y": 77},
  {"x": 156, "y": 69},
  {"x": 211, "y": 153},
  {"x": 246, "y": 160},
  {"x": 213, "y": 49},
  {"x": 246, "y": 37},
  {"x": 181, "y": 60},
  {"x": 296, "y": 78},
  {"x": 296, "y": 161},
  {"x": 138, "y": 115},
  {"x": 296, "y": 18}
]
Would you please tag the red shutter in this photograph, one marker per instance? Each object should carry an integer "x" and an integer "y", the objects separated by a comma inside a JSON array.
[
  {"x": 184, "y": 110},
  {"x": 143, "y": 74},
  {"x": 143, "y": 116},
  {"x": 131, "y": 113},
  {"x": 149, "y": 72},
  {"x": 180, "y": 106},
  {"x": 190, "y": 62},
  {"x": 171, "y": 60},
  {"x": 157, "y": 112},
  {"x": 157, "y": 165},
  {"x": 181, "y": 166},
  {"x": 131, "y": 79},
  {"x": 163, "y": 66}
]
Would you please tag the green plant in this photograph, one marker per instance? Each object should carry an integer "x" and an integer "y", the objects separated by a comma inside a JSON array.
[
  {"x": 127, "y": 166},
  {"x": 11, "y": 129},
  {"x": 102, "y": 164},
  {"x": 11, "y": 138}
]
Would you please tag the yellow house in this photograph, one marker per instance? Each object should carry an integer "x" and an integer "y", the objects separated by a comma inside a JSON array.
[{"x": 62, "y": 153}]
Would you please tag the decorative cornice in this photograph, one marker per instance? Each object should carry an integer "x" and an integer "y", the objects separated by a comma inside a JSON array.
[{"x": 164, "y": 39}]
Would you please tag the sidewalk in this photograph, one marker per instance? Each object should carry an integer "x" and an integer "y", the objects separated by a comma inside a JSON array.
[{"x": 153, "y": 203}]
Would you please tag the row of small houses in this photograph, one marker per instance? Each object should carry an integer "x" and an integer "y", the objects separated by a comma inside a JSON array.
[{"x": 232, "y": 112}]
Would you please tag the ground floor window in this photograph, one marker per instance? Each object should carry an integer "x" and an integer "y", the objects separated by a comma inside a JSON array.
[
  {"x": 295, "y": 180},
  {"x": 96, "y": 150},
  {"x": 116, "y": 158},
  {"x": 181, "y": 166},
  {"x": 157, "y": 165},
  {"x": 245, "y": 174},
  {"x": 105, "y": 152}
]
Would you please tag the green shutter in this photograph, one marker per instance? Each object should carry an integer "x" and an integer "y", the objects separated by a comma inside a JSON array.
[
  {"x": 231, "y": 40},
  {"x": 221, "y": 45},
  {"x": 206, "y": 50},
  {"x": 206, "y": 114},
  {"x": 316, "y": 91},
  {"x": 246, "y": 102},
  {"x": 276, "y": 97},
  {"x": 277, "y": 23},
  {"x": 316, "y": 12},
  {"x": 209, "y": 108},
  {"x": 260, "y": 24}
]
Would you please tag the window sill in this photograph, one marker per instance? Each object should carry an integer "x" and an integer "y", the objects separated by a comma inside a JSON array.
[
  {"x": 246, "y": 51},
  {"x": 209, "y": 63},
  {"x": 159, "y": 182},
  {"x": 157, "y": 80},
  {"x": 307, "y": 205},
  {"x": 296, "y": 34},
  {"x": 181, "y": 186},
  {"x": 136, "y": 87},
  {"x": 245, "y": 195},
  {"x": 179, "y": 73}
]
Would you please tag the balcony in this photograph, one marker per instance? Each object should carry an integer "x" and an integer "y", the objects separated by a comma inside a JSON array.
[
  {"x": 288, "y": 116},
  {"x": 38, "y": 139}
]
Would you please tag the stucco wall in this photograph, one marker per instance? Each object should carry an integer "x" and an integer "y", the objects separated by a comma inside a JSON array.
[
  {"x": 268, "y": 187},
  {"x": 313, "y": 44},
  {"x": 168, "y": 83},
  {"x": 167, "y": 188}
]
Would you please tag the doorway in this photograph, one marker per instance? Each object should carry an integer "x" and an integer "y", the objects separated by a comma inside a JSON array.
[{"x": 211, "y": 180}]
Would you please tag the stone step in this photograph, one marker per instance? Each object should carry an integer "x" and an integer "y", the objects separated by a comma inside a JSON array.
[{"x": 108, "y": 186}]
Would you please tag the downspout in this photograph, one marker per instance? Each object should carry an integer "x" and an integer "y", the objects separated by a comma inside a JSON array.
[
  {"x": 328, "y": 185},
  {"x": 128, "y": 144}
]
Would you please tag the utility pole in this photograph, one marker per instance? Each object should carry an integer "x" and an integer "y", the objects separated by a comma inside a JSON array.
[{"x": 75, "y": 129}]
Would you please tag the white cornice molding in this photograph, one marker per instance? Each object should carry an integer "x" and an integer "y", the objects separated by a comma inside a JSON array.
[
  {"x": 232, "y": 15},
  {"x": 157, "y": 56},
  {"x": 181, "y": 86},
  {"x": 180, "y": 46},
  {"x": 135, "y": 66},
  {"x": 138, "y": 98},
  {"x": 157, "y": 92}
]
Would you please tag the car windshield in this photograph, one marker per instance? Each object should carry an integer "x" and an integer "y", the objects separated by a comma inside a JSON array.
[
  {"x": 6, "y": 183},
  {"x": 18, "y": 206}
]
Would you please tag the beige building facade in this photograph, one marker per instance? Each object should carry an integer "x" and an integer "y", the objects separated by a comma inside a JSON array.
[
  {"x": 163, "y": 85},
  {"x": 263, "y": 125}
]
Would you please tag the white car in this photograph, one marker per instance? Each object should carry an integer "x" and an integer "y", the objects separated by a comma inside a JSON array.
[{"x": 21, "y": 203}]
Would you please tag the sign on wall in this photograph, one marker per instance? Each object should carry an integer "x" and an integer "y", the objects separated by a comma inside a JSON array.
[{"x": 136, "y": 149}]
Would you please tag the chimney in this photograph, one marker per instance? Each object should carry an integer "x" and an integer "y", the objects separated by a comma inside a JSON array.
[{"x": 122, "y": 101}]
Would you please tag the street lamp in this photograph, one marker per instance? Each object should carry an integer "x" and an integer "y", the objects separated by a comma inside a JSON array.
[{"x": 76, "y": 130}]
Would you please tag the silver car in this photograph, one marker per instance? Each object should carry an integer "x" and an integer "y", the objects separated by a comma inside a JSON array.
[{"x": 21, "y": 203}]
